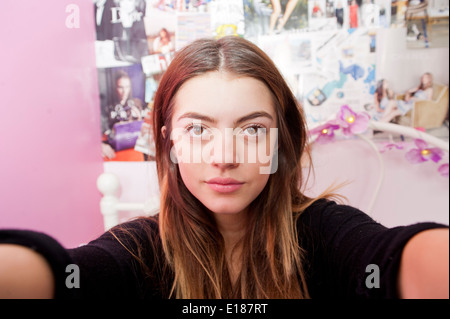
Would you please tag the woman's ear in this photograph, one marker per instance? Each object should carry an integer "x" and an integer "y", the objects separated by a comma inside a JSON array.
[{"x": 163, "y": 131}]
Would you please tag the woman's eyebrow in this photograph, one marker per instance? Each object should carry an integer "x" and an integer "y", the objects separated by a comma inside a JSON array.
[{"x": 198, "y": 116}]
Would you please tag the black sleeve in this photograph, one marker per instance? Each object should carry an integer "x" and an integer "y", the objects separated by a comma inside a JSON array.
[
  {"x": 341, "y": 241},
  {"x": 57, "y": 257},
  {"x": 106, "y": 268}
]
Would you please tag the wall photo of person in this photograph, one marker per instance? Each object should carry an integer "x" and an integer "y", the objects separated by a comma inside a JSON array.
[
  {"x": 273, "y": 17},
  {"x": 122, "y": 94},
  {"x": 128, "y": 29}
]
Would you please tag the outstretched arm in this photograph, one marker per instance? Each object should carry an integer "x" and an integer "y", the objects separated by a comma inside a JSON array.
[
  {"x": 24, "y": 274},
  {"x": 424, "y": 268}
]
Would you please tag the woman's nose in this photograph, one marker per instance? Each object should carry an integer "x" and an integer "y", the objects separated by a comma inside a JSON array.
[{"x": 224, "y": 153}]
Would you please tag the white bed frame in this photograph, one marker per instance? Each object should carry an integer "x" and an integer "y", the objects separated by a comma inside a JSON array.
[
  {"x": 110, "y": 206},
  {"x": 109, "y": 184}
]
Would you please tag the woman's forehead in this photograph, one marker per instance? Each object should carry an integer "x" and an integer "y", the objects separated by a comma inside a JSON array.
[
  {"x": 124, "y": 80},
  {"x": 223, "y": 96}
]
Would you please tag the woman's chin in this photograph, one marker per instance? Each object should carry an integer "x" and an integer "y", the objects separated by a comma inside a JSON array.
[{"x": 225, "y": 208}]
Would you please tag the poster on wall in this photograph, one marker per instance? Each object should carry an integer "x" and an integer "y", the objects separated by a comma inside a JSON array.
[
  {"x": 135, "y": 43},
  {"x": 121, "y": 36},
  {"x": 227, "y": 18},
  {"x": 430, "y": 30},
  {"x": 192, "y": 26},
  {"x": 122, "y": 111},
  {"x": 322, "y": 14},
  {"x": 342, "y": 72},
  {"x": 398, "y": 10},
  {"x": 269, "y": 17},
  {"x": 121, "y": 43},
  {"x": 291, "y": 53},
  {"x": 160, "y": 27},
  {"x": 325, "y": 49},
  {"x": 348, "y": 14}
]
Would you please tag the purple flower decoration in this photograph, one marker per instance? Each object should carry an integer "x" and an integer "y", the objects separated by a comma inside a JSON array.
[
  {"x": 387, "y": 146},
  {"x": 423, "y": 153},
  {"x": 325, "y": 132},
  {"x": 443, "y": 170},
  {"x": 352, "y": 122}
]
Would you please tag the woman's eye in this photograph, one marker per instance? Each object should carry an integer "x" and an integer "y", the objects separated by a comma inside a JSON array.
[
  {"x": 251, "y": 130},
  {"x": 196, "y": 130},
  {"x": 254, "y": 131}
]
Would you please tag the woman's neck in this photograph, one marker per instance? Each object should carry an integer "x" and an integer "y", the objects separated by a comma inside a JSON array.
[{"x": 232, "y": 227}]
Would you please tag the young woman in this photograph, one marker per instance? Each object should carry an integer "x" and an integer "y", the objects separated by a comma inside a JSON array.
[
  {"x": 122, "y": 109},
  {"x": 384, "y": 99},
  {"x": 231, "y": 141},
  {"x": 424, "y": 91}
]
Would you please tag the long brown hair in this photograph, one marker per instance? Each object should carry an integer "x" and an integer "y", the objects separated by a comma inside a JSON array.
[
  {"x": 193, "y": 247},
  {"x": 422, "y": 85},
  {"x": 271, "y": 265}
]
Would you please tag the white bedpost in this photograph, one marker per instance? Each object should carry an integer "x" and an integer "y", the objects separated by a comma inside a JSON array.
[{"x": 108, "y": 184}]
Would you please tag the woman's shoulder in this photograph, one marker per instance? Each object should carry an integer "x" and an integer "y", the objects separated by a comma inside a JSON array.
[
  {"x": 329, "y": 219},
  {"x": 142, "y": 231},
  {"x": 126, "y": 240},
  {"x": 326, "y": 209},
  {"x": 140, "y": 224},
  {"x": 339, "y": 243}
]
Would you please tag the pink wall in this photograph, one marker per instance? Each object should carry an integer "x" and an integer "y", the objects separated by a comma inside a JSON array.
[{"x": 50, "y": 120}]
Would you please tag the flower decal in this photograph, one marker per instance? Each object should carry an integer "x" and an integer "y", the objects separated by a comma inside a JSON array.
[
  {"x": 424, "y": 153},
  {"x": 325, "y": 132},
  {"x": 390, "y": 145},
  {"x": 352, "y": 122},
  {"x": 443, "y": 170}
]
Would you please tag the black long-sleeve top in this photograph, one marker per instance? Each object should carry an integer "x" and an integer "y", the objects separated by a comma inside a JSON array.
[{"x": 339, "y": 241}]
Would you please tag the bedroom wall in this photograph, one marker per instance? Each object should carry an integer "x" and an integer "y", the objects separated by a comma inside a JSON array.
[{"x": 49, "y": 125}]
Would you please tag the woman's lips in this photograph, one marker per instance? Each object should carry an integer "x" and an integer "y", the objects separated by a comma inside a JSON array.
[{"x": 224, "y": 185}]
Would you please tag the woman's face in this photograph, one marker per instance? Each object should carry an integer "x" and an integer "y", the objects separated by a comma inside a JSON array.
[
  {"x": 164, "y": 36},
  {"x": 224, "y": 131},
  {"x": 426, "y": 80},
  {"x": 123, "y": 88}
]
